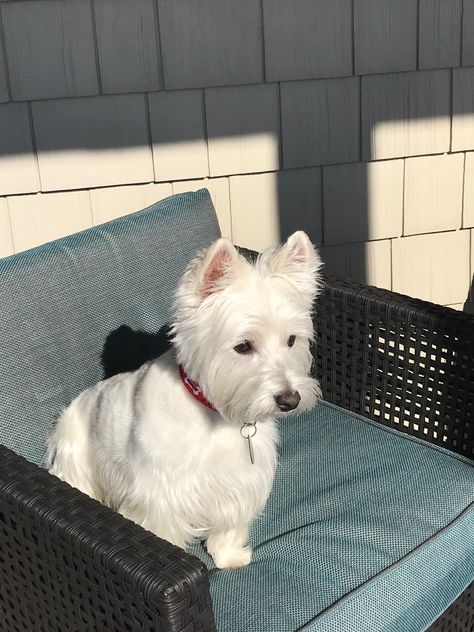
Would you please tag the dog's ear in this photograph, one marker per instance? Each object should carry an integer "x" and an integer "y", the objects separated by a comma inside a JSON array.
[
  {"x": 298, "y": 260},
  {"x": 217, "y": 266}
]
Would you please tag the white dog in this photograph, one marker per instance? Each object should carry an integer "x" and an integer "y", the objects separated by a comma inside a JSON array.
[{"x": 186, "y": 445}]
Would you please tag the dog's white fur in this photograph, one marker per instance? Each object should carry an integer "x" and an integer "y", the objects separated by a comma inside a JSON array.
[{"x": 141, "y": 444}]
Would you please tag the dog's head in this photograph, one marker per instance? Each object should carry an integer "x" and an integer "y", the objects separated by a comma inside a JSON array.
[{"x": 243, "y": 330}]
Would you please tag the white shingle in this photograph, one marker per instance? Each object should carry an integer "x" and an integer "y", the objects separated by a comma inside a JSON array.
[
  {"x": 128, "y": 45},
  {"x": 320, "y": 122},
  {"x": 178, "y": 134},
  {"x": 50, "y": 49},
  {"x": 433, "y": 193},
  {"x": 39, "y": 218},
  {"x": 405, "y": 114},
  {"x": 18, "y": 170},
  {"x": 363, "y": 201},
  {"x": 242, "y": 129},
  {"x": 385, "y": 36},
  {"x": 432, "y": 267},
  {"x": 211, "y": 42},
  {"x": 307, "y": 39},
  {"x": 92, "y": 142}
]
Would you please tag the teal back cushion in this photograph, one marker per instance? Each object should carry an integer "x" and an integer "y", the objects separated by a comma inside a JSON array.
[{"x": 58, "y": 303}]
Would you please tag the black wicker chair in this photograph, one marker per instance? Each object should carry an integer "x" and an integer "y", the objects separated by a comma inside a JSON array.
[{"x": 378, "y": 354}]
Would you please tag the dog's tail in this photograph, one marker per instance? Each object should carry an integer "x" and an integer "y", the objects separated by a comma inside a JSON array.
[{"x": 68, "y": 454}]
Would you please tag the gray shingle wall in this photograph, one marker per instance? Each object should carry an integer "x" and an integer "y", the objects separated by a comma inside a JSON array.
[{"x": 353, "y": 119}]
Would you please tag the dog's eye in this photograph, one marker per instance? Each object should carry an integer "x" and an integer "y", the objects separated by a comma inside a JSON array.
[
  {"x": 244, "y": 347},
  {"x": 291, "y": 341}
]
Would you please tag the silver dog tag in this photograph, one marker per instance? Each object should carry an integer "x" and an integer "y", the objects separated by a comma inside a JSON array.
[{"x": 248, "y": 431}]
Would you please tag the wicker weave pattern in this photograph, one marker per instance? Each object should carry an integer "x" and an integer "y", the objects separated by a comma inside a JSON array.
[
  {"x": 400, "y": 361},
  {"x": 459, "y": 617},
  {"x": 68, "y": 563},
  {"x": 407, "y": 364}
]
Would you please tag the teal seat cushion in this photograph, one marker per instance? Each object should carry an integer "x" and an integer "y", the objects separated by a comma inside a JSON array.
[
  {"x": 366, "y": 530},
  {"x": 58, "y": 302}
]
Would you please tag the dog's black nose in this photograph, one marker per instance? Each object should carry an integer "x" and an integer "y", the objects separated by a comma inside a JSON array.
[{"x": 288, "y": 400}]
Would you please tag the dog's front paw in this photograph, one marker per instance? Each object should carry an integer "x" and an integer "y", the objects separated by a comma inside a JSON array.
[
  {"x": 228, "y": 548},
  {"x": 232, "y": 558}
]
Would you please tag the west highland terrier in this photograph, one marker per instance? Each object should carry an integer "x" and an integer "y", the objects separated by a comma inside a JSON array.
[{"x": 186, "y": 444}]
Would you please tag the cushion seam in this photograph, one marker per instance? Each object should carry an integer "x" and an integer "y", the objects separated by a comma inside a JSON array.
[{"x": 352, "y": 593}]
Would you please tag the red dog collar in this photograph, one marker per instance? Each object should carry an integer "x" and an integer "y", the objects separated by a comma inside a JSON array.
[{"x": 194, "y": 388}]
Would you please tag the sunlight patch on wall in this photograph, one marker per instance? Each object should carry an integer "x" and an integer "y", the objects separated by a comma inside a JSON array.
[{"x": 408, "y": 137}]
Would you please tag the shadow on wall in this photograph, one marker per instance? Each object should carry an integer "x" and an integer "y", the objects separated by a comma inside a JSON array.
[
  {"x": 242, "y": 90},
  {"x": 469, "y": 304},
  {"x": 415, "y": 126},
  {"x": 325, "y": 155},
  {"x": 352, "y": 208}
]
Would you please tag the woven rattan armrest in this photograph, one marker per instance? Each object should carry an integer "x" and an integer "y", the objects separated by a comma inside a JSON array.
[
  {"x": 403, "y": 362},
  {"x": 69, "y": 563},
  {"x": 407, "y": 364}
]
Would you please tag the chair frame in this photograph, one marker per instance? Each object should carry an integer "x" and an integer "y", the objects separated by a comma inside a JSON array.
[{"x": 69, "y": 563}]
